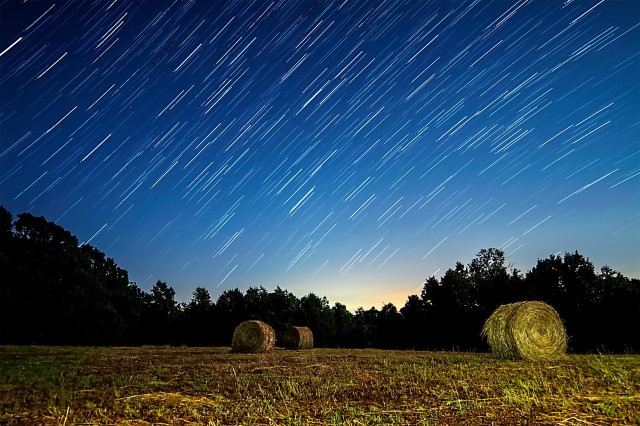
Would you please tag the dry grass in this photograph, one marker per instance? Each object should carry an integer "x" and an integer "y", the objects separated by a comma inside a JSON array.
[
  {"x": 526, "y": 330},
  {"x": 253, "y": 337},
  {"x": 210, "y": 386},
  {"x": 297, "y": 338}
]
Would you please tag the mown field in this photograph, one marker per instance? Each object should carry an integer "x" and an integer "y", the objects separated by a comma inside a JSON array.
[{"x": 161, "y": 385}]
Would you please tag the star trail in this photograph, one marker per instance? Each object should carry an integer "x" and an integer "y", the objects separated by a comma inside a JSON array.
[{"x": 349, "y": 148}]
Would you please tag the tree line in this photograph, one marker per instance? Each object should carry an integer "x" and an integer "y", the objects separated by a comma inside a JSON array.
[{"x": 56, "y": 292}]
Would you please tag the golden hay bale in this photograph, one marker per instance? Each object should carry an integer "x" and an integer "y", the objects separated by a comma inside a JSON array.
[
  {"x": 253, "y": 337},
  {"x": 297, "y": 338},
  {"x": 495, "y": 331},
  {"x": 526, "y": 330}
]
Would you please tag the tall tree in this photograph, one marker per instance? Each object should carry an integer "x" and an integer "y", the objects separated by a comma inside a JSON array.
[
  {"x": 415, "y": 321},
  {"x": 490, "y": 280},
  {"x": 54, "y": 291},
  {"x": 569, "y": 284},
  {"x": 229, "y": 311},
  {"x": 391, "y": 330},
  {"x": 197, "y": 319},
  {"x": 343, "y": 320},
  {"x": 43, "y": 283},
  {"x": 316, "y": 314},
  {"x": 365, "y": 324},
  {"x": 285, "y": 305},
  {"x": 616, "y": 325},
  {"x": 258, "y": 304},
  {"x": 8, "y": 304},
  {"x": 160, "y": 315}
]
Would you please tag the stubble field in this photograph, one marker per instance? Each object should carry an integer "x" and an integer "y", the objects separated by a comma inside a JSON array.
[{"x": 162, "y": 385}]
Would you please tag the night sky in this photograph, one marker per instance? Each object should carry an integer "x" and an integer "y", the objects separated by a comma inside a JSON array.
[{"x": 348, "y": 148}]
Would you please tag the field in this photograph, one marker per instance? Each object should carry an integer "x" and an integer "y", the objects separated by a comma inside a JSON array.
[{"x": 162, "y": 385}]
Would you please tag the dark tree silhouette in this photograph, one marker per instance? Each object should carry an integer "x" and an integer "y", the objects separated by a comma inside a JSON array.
[
  {"x": 160, "y": 315},
  {"x": 449, "y": 304},
  {"x": 595, "y": 308},
  {"x": 415, "y": 322},
  {"x": 365, "y": 327},
  {"x": 617, "y": 324},
  {"x": 345, "y": 329},
  {"x": 390, "y": 328},
  {"x": 490, "y": 280},
  {"x": 229, "y": 312},
  {"x": 9, "y": 294},
  {"x": 55, "y": 292},
  {"x": 197, "y": 321},
  {"x": 258, "y": 304},
  {"x": 284, "y": 306},
  {"x": 316, "y": 314}
]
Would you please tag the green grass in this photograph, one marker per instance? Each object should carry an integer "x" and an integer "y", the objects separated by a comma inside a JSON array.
[{"x": 210, "y": 386}]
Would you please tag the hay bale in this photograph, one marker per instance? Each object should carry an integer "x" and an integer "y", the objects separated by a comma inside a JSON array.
[
  {"x": 526, "y": 330},
  {"x": 253, "y": 337},
  {"x": 495, "y": 331},
  {"x": 297, "y": 338}
]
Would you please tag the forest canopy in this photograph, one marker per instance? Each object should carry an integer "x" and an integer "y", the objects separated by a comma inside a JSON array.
[{"x": 54, "y": 291}]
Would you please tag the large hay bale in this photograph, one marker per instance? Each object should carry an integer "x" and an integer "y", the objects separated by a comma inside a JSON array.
[
  {"x": 496, "y": 333},
  {"x": 253, "y": 337},
  {"x": 297, "y": 338},
  {"x": 526, "y": 330}
]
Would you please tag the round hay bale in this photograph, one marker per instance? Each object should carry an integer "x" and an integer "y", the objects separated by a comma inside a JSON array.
[
  {"x": 526, "y": 330},
  {"x": 297, "y": 338},
  {"x": 495, "y": 331},
  {"x": 253, "y": 337}
]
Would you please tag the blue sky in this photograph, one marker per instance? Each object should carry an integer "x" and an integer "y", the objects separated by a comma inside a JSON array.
[{"x": 347, "y": 148}]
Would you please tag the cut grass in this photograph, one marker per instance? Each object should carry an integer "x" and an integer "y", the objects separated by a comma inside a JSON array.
[{"x": 210, "y": 386}]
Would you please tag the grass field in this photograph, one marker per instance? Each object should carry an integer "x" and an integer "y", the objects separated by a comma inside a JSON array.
[{"x": 161, "y": 385}]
